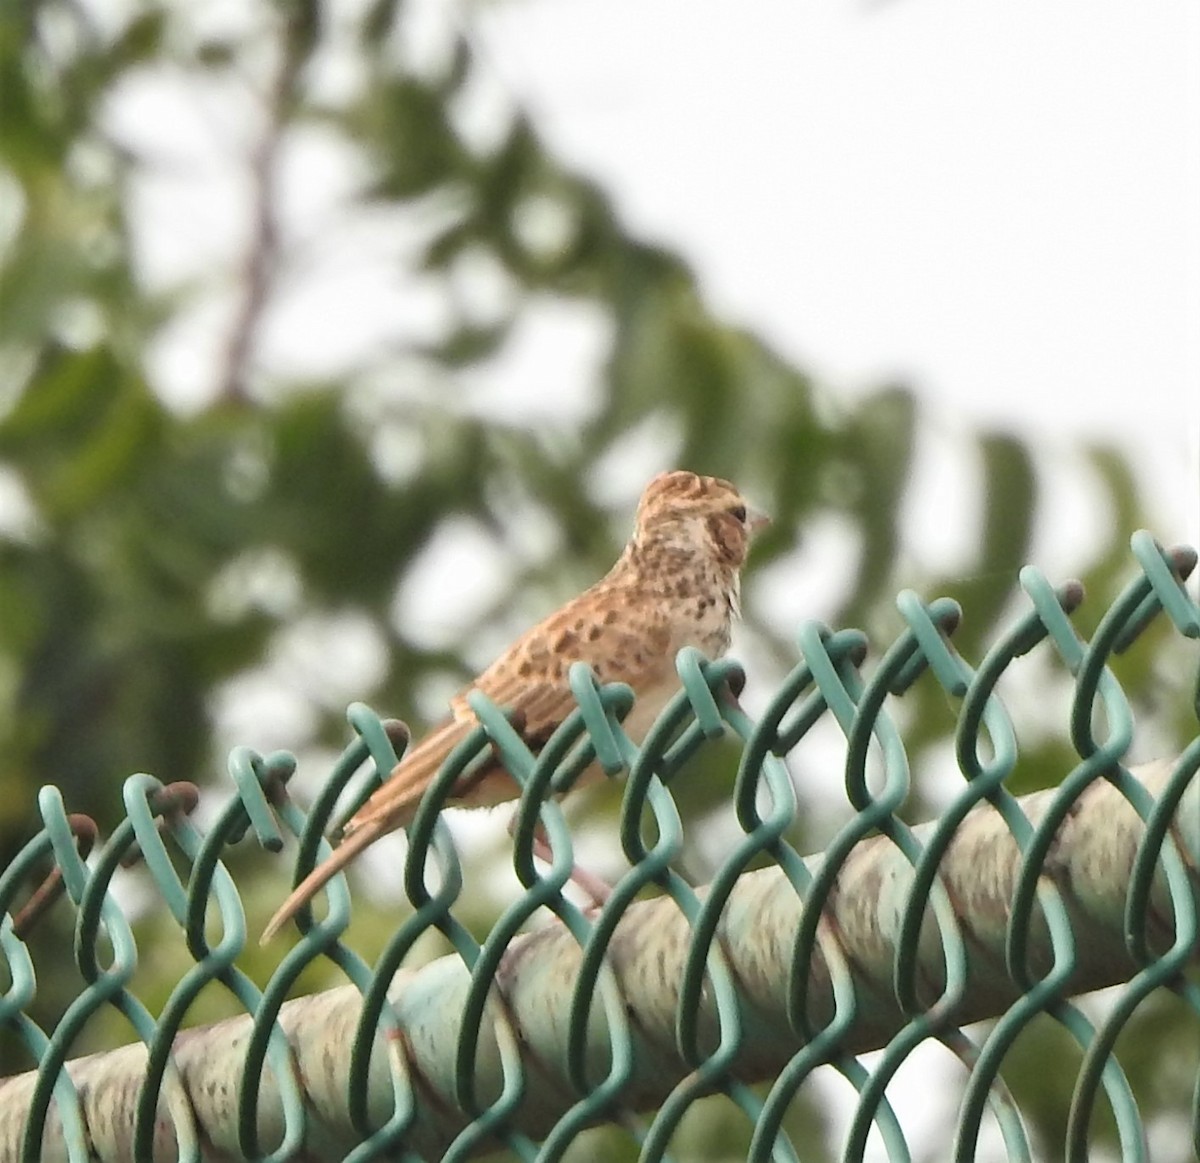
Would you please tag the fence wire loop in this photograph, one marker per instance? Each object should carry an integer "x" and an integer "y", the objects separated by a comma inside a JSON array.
[
  {"x": 42, "y": 899},
  {"x": 558, "y": 1016}
]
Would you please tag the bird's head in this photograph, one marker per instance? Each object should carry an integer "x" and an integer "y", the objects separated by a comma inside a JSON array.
[{"x": 685, "y": 511}]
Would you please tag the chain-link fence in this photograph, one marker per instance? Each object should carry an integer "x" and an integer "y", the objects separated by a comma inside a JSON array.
[{"x": 565, "y": 1016}]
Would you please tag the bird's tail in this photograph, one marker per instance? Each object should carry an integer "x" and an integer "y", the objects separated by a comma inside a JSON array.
[
  {"x": 393, "y": 803},
  {"x": 389, "y": 808},
  {"x": 347, "y": 850}
]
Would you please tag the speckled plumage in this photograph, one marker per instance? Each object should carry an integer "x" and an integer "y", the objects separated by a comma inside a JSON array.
[{"x": 676, "y": 584}]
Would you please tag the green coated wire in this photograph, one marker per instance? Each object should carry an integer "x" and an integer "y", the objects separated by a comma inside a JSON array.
[
  {"x": 207, "y": 968},
  {"x": 211, "y": 881},
  {"x": 106, "y": 984},
  {"x": 833, "y": 662},
  {"x": 780, "y": 728},
  {"x": 643, "y": 789},
  {"x": 835, "y": 676},
  {"x": 490, "y": 1121},
  {"x": 925, "y": 639},
  {"x": 935, "y": 1018},
  {"x": 846, "y": 695},
  {"x": 377, "y": 1017},
  {"x": 377, "y": 1023},
  {"x": 317, "y": 939},
  {"x": 1045, "y": 995},
  {"x": 1145, "y": 865},
  {"x": 1128, "y": 616},
  {"x": 1166, "y": 573},
  {"x": 705, "y": 960},
  {"x": 580, "y": 1115},
  {"x": 603, "y": 1053},
  {"x": 536, "y": 777},
  {"x": 696, "y": 702},
  {"x": 428, "y": 838},
  {"x": 23, "y": 985}
]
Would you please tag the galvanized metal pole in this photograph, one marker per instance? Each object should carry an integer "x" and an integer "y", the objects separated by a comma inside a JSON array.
[{"x": 1090, "y": 865}]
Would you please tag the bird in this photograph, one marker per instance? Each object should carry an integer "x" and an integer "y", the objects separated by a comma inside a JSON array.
[{"x": 675, "y": 584}]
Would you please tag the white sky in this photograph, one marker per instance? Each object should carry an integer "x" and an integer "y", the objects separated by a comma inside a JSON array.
[{"x": 997, "y": 201}]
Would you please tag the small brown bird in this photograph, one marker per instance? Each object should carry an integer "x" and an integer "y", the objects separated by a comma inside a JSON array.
[{"x": 676, "y": 584}]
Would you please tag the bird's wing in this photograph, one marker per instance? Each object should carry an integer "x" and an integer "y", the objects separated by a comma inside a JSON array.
[
  {"x": 623, "y": 641},
  {"x": 624, "y": 635},
  {"x": 530, "y": 682},
  {"x": 535, "y": 710}
]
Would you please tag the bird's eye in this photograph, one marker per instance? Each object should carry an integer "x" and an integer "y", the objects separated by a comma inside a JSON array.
[{"x": 739, "y": 513}]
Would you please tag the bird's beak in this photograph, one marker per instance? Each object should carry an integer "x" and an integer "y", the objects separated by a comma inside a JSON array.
[{"x": 756, "y": 519}]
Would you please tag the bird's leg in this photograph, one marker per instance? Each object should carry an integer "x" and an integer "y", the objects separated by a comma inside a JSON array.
[{"x": 594, "y": 886}]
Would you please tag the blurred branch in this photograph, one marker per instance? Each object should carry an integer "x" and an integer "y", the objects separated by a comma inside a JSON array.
[{"x": 259, "y": 262}]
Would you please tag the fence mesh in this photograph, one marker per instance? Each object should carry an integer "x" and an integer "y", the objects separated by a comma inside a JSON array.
[{"x": 565, "y": 1016}]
